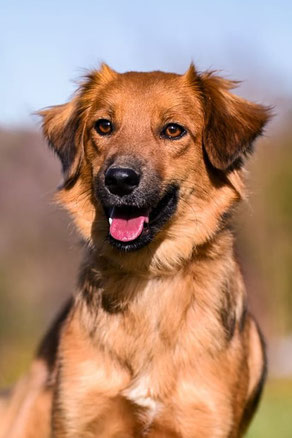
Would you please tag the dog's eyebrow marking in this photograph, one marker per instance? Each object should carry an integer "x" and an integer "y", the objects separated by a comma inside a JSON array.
[
  {"x": 171, "y": 114},
  {"x": 103, "y": 110}
]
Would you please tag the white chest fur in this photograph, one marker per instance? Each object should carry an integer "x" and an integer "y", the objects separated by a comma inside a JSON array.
[{"x": 141, "y": 393}]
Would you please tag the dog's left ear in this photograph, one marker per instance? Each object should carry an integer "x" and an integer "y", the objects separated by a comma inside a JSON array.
[
  {"x": 62, "y": 129},
  {"x": 231, "y": 123}
]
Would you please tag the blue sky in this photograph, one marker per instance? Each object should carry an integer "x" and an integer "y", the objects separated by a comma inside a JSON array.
[{"x": 44, "y": 45}]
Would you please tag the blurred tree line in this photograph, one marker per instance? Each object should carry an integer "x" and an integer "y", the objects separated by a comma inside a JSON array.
[
  {"x": 265, "y": 233},
  {"x": 40, "y": 250}
]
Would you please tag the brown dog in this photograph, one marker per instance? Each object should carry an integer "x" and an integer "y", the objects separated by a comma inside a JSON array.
[{"x": 158, "y": 341}]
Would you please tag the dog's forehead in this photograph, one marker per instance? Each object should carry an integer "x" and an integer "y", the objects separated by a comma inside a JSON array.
[
  {"x": 150, "y": 82},
  {"x": 147, "y": 91}
]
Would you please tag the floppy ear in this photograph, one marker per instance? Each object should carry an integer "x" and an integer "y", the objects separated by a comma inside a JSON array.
[
  {"x": 63, "y": 131},
  {"x": 231, "y": 123},
  {"x": 62, "y": 124}
]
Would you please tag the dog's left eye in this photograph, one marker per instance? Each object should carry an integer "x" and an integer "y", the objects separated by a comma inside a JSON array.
[
  {"x": 103, "y": 127},
  {"x": 173, "y": 131}
]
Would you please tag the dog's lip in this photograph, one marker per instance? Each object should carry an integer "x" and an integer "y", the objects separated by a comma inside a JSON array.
[
  {"x": 153, "y": 213},
  {"x": 159, "y": 215},
  {"x": 157, "y": 212}
]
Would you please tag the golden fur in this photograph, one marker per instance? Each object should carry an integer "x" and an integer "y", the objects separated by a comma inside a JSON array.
[{"x": 158, "y": 342}]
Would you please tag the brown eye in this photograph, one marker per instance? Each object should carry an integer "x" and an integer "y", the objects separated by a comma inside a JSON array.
[
  {"x": 173, "y": 131},
  {"x": 103, "y": 127}
]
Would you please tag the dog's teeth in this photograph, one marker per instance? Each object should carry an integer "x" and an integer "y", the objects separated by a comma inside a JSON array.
[{"x": 110, "y": 220}]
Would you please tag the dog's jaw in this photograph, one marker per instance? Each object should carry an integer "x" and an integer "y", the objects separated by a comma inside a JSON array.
[{"x": 150, "y": 220}]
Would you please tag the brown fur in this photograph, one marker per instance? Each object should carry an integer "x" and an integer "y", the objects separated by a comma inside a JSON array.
[{"x": 158, "y": 342}]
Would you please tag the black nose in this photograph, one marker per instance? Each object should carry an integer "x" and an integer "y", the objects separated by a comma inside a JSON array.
[{"x": 121, "y": 180}]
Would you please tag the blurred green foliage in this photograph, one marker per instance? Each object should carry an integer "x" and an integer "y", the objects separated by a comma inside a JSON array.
[{"x": 274, "y": 417}]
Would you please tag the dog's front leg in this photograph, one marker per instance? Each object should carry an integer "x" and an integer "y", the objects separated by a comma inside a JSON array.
[
  {"x": 87, "y": 403},
  {"x": 111, "y": 419}
]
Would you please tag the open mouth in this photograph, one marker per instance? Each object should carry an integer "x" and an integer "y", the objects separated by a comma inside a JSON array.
[
  {"x": 127, "y": 224},
  {"x": 131, "y": 228}
]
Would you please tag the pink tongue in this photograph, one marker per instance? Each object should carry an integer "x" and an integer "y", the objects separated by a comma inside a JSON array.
[{"x": 126, "y": 229}]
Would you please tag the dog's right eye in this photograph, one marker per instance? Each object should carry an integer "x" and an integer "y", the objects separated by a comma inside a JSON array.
[
  {"x": 103, "y": 127},
  {"x": 173, "y": 131}
]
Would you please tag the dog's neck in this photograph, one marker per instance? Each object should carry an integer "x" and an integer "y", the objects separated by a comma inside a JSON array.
[
  {"x": 114, "y": 281},
  {"x": 110, "y": 291}
]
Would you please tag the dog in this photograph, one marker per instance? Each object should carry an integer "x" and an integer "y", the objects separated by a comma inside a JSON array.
[{"x": 158, "y": 341}]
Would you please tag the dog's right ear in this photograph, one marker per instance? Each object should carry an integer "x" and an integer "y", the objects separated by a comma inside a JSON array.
[
  {"x": 62, "y": 129},
  {"x": 231, "y": 122},
  {"x": 63, "y": 125}
]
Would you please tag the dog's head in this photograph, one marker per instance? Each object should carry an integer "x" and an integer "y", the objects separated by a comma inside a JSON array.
[{"x": 152, "y": 159}]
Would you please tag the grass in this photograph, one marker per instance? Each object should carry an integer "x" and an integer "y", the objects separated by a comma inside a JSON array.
[{"x": 274, "y": 417}]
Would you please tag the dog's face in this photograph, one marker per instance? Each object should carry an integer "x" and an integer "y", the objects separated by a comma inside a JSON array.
[
  {"x": 144, "y": 138},
  {"x": 150, "y": 157}
]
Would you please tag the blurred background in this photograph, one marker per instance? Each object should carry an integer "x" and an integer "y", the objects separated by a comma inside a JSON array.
[{"x": 43, "y": 46}]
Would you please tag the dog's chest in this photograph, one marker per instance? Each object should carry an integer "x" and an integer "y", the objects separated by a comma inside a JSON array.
[{"x": 143, "y": 395}]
